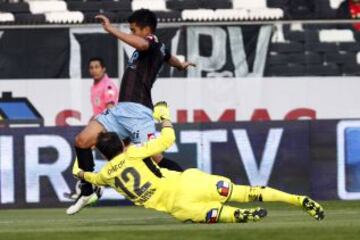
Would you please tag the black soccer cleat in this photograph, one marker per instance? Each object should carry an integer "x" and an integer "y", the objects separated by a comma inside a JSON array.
[
  {"x": 313, "y": 208},
  {"x": 250, "y": 215}
]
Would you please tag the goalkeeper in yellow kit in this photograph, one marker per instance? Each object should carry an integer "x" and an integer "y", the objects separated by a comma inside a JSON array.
[{"x": 191, "y": 195}]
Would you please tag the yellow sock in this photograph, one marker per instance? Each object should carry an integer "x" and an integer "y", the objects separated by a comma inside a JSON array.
[
  {"x": 241, "y": 193},
  {"x": 227, "y": 215}
]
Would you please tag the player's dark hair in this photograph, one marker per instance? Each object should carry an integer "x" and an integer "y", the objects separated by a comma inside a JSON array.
[
  {"x": 144, "y": 18},
  {"x": 98, "y": 59},
  {"x": 109, "y": 144}
]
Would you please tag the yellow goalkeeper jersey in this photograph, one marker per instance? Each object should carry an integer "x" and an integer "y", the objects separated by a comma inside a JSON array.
[{"x": 138, "y": 178}]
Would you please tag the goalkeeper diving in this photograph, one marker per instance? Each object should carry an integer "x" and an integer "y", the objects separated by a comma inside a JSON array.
[{"x": 191, "y": 195}]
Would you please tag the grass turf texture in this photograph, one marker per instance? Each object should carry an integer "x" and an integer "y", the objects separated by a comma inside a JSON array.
[{"x": 342, "y": 221}]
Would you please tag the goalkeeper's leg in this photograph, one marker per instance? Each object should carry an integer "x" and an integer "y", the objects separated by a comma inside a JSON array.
[
  {"x": 230, "y": 214},
  {"x": 241, "y": 193},
  {"x": 215, "y": 212}
]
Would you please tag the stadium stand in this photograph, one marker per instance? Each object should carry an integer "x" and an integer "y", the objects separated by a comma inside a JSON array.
[
  {"x": 74, "y": 11},
  {"x": 57, "y": 11},
  {"x": 295, "y": 49},
  {"x": 313, "y": 51}
]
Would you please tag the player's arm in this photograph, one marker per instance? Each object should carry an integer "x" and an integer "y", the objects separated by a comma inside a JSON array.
[
  {"x": 161, "y": 143},
  {"x": 90, "y": 177},
  {"x": 175, "y": 62},
  {"x": 135, "y": 41}
]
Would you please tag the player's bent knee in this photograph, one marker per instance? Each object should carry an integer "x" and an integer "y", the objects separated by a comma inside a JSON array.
[{"x": 82, "y": 141}]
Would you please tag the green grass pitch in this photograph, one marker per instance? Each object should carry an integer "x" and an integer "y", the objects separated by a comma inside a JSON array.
[{"x": 342, "y": 221}]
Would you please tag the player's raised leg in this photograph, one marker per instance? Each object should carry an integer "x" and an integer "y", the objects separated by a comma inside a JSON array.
[
  {"x": 241, "y": 193},
  {"x": 83, "y": 143}
]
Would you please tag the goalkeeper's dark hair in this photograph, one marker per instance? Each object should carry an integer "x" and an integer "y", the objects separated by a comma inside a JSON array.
[
  {"x": 109, "y": 144},
  {"x": 144, "y": 18}
]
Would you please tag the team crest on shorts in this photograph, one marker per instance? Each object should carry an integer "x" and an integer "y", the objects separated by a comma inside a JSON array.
[
  {"x": 150, "y": 136},
  {"x": 223, "y": 188},
  {"x": 212, "y": 216}
]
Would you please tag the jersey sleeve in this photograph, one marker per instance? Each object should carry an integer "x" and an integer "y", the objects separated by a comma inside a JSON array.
[
  {"x": 94, "y": 178},
  {"x": 154, "y": 146},
  {"x": 110, "y": 94}
]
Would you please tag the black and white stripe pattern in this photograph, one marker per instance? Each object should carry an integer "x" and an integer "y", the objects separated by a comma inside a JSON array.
[{"x": 74, "y": 11}]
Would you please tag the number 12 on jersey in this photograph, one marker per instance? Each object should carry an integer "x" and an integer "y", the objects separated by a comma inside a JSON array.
[{"x": 128, "y": 174}]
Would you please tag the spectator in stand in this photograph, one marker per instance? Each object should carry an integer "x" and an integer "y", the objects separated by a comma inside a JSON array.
[{"x": 349, "y": 9}]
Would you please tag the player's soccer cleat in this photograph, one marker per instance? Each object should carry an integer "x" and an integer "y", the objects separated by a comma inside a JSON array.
[
  {"x": 250, "y": 215},
  {"x": 82, "y": 202},
  {"x": 77, "y": 193},
  {"x": 313, "y": 208}
]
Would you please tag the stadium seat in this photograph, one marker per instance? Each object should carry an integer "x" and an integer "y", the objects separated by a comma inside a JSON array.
[
  {"x": 38, "y": 7},
  {"x": 321, "y": 47},
  {"x": 336, "y": 57},
  {"x": 265, "y": 13},
  {"x": 215, "y": 4},
  {"x": 277, "y": 3},
  {"x": 335, "y": 4},
  {"x": 168, "y": 16},
  {"x": 123, "y": 5},
  {"x": 20, "y": 7},
  {"x": 323, "y": 10},
  {"x": 199, "y": 4},
  {"x": 249, "y": 4},
  {"x": 258, "y": 10},
  {"x": 277, "y": 59},
  {"x": 294, "y": 58},
  {"x": 182, "y": 4},
  {"x": 84, "y": 6},
  {"x": 287, "y": 70},
  {"x": 311, "y": 36},
  {"x": 198, "y": 15},
  {"x": 287, "y": 47},
  {"x": 336, "y": 35},
  {"x": 7, "y": 17},
  {"x": 323, "y": 70},
  {"x": 313, "y": 58},
  {"x": 295, "y": 36},
  {"x": 349, "y": 46},
  {"x": 64, "y": 17},
  {"x": 155, "y": 5},
  {"x": 28, "y": 18},
  {"x": 350, "y": 70}
]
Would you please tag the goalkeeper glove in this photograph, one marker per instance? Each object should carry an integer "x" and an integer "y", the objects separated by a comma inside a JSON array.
[{"x": 161, "y": 112}]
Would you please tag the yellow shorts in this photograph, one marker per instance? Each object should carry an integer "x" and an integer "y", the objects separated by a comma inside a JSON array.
[{"x": 200, "y": 196}]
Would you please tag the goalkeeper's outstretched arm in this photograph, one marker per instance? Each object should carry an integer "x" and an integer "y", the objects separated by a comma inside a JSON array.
[{"x": 161, "y": 143}]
